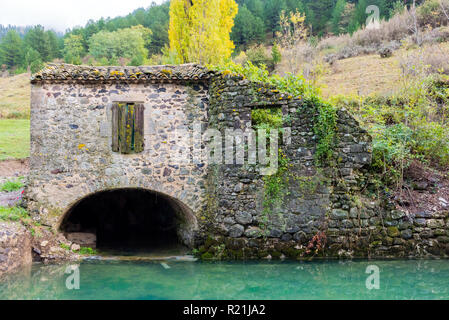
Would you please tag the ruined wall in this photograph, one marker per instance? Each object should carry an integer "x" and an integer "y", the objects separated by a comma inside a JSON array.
[
  {"x": 306, "y": 208},
  {"x": 15, "y": 247},
  {"x": 71, "y": 154},
  {"x": 321, "y": 210}
]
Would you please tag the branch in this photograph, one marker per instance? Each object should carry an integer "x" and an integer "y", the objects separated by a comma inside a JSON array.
[{"x": 444, "y": 9}]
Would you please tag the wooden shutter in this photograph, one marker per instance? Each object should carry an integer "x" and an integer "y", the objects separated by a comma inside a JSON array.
[
  {"x": 138, "y": 128},
  {"x": 128, "y": 127},
  {"x": 115, "y": 127}
]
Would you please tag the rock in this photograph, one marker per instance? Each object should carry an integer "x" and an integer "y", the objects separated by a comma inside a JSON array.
[
  {"x": 236, "y": 231},
  {"x": 435, "y": 223},
  {"x": 406, "y": 234},
  {"x": 75, "y": 247},
  {"x": 420, "y": 185},
  {"x": 300, "y": 236},
  {"x": 253, "y": 232},
  {"x": 15, "y": 245},
  {"x": 243, "y": 217},
  {"x": 286, "y": 237},
  {"x": 84, "y": 239},
  {"x": 393, "y": 232},
  {"x": 386, "y": 52},
  {"x": 44, "y": 243},
  {"x": 339, "y": 214},
  {"x": 423, "y": 214},
  {"x": 397, "y": 214},
  {"x": 354, "y": 213},
  {"x": 229, "y": 221},
  {"x": 238, "y": 187},
  {"x": 420, "y": 222},
  {"x": 275, "y": 233}
]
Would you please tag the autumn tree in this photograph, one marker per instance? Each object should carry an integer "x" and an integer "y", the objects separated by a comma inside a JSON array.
[
  {"x": 293, "y": 33},
  {"x": 200, "y": 30}
]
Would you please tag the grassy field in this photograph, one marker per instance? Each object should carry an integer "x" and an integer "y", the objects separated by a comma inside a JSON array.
[
  {"x": 14, "y": 138},
  {"x": 15, "y": 97},
  {"x": 14, "y": 117},
  {"x": 362, "y": 75}
]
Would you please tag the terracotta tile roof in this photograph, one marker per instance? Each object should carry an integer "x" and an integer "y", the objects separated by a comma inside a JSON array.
[{"x": 68, "y": 72}]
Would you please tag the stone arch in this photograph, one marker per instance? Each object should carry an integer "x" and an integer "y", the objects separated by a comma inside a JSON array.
[{"x": 131, "y": 213}]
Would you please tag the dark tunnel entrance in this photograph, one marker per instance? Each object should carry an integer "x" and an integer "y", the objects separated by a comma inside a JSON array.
[{"x": 129, "y": 220}]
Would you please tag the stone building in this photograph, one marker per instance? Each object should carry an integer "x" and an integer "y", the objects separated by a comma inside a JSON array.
[{"x": 119, "y": 152}]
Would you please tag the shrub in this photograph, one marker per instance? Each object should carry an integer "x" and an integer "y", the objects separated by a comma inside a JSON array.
[
  {"x": 258, "y": 56},
  {"x": 13, "y": 213},
  {"x": 386, "y": 52},
  {"x": 9, "y": 186},
  {"x": 431, "y": 140},
  {"x": 431, "y": 13}
]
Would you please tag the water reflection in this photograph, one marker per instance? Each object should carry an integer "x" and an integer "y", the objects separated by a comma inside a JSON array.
[{"x": 426, "y": 279}]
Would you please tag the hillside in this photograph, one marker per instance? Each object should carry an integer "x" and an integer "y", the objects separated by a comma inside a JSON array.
[
  {"x": 15, "y": 97},
  {"x": 14, "y": 117},
  {"x": 368, "y": 74}
]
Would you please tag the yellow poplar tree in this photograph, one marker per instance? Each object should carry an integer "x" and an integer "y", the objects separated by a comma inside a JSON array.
[{"x": 200, "y": 30}]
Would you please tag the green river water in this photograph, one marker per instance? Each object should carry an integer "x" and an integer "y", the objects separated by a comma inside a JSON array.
[{"x": 174, "y": 279}]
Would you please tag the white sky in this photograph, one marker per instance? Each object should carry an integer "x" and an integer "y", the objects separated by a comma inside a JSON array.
[{"x": 62, "y": 14}]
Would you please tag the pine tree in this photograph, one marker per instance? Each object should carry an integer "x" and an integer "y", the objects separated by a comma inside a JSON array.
[
  {"x": 276, "y": 54},
  {"x": 248, "y": 28},
  {"x": 322, "y": 11},
  {"x": 33, "y": 60},
  {"x": 11, "y": 49},
  {"x": 37, "y": 39},
  {"x": 337, "y": 16},
  {"x": 359, "y": 16},
  {"x": 273, "y": 9}
]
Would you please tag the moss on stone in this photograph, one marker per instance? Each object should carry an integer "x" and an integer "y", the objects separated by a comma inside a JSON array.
[
  {"x": 393, "y": 232},
  {"x": 207, "y": 256}
]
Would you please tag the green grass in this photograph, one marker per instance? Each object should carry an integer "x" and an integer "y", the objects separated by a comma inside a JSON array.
[
  {"x": 11, "y": 185},
  {"x": 13, "y": 213},
  {"x": 14, "y": 139},
  {"x": 15, "y": 97}
]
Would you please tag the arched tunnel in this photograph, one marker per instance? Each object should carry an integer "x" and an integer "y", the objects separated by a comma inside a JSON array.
[{"x": 128, "y": 220}]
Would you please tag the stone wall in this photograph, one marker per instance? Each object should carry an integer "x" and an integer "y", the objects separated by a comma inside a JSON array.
[
  {"x": 71, "y": 154},
  {"x": 320, "y": 209},
  {"x": 15, "y": 247}
]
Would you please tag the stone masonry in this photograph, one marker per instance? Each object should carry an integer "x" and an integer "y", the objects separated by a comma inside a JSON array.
[{"x": 321, "y": 210}]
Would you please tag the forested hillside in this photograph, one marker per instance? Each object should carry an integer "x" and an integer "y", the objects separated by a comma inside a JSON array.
[{"x": 256, "y": 22}]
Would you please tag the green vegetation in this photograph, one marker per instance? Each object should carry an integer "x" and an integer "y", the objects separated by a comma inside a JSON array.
[
  {"x": 325, "y": 128},
  {"x": 11, "y": 185},
  {"x": 255, "y": 23},
  {"x": 15, "y": 97},
  {"x": 275, "y": 185},
  {"x": 86, "y": 250},
  {"x": 36, "y": 47},
  {"x": 130, "y": 44},
  {"x": 412, "y": 125},
  {"x": 64, "y": 246},
  {"x": 82, "y": 250},
  {"x": 14, "y": 139},
  {"x": 297, "y": 86},
  {"x": 13, "y": 214}
]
